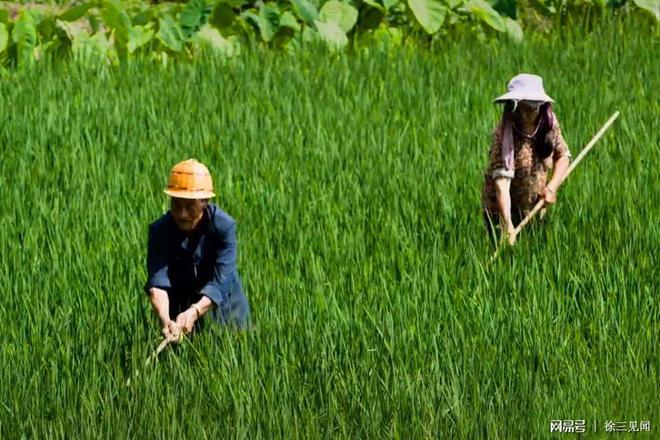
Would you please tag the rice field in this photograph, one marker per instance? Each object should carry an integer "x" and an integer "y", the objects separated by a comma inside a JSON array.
[{"x": 355, "y": 180}]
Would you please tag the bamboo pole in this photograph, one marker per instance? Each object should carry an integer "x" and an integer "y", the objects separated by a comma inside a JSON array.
[{"x": 570, "y": 169}]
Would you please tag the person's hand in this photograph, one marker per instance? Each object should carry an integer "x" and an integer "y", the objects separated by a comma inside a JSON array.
[
  {"x": 509, "y": 231},
  {"x": 186, "y": 320},
  {"x": 171, "y": 330},
  {"x": 548, "y": 195}
]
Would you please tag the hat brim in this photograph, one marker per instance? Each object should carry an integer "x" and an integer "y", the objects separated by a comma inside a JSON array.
[
  {"x": 513, "y": 96},
  {"x": 189, "y": 194}
]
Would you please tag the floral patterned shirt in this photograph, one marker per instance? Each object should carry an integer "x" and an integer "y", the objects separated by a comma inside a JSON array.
[{"x": 530, "y": 170}]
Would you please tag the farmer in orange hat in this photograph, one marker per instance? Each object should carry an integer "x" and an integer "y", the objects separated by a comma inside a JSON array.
[
  {"x": 191, "y": 257},
  {"x": 526, "y": 144}
]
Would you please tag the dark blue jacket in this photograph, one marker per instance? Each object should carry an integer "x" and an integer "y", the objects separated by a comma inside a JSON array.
[{"x": 202, "y": 264}]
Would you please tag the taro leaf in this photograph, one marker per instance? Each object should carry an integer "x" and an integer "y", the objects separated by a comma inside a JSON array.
[
  {"x": 487, "y": 14},
  {"x": 310, "y": 35},
  {"x": 76, "y": 13},
  {"x": 222, "y": 16},
  {"x": 343, "y": 14},
  {"x": 170, "y": 34},
  {"x": 453, "y": 4},
  {"x": 376, "y": 5},
  {"x": 288, "y": 20},
  {"x": 24, "y": 34},
  {"x": 144, "y": 17},
  {"x": 652, "y": 6},
  {"x": 235, "y": 3},
  {"x": 115, "y": 17},
  {"x": 46, "y": 28},
  {"x": 506, "y": 8},
  {"x": 513, "y": 30},
  {"x": 389, "y": 4},
  {"x": 250, "y": 17},
  {"x": 139, "y": 36},
  {"x": 305, "y": 10},
  {"x": 331, "y": 34},
  {"x": 429, "y": 13},
  {"x": 4, "y": 37},
  {"x": 269, "y": 21},
  {"x": 194, "y": 16},
  {"x": 4, "y": 16},
  {"x": 211, "y": 38}
]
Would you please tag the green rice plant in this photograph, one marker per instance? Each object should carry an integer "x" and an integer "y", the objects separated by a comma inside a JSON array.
[{"x": 355, "y": 181}]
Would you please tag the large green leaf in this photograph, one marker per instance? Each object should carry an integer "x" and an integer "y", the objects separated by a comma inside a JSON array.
[
  {"x": 487, "y": 14},
  {"x": 374, "y": 4},
  {"x": 211, "y": 38},
  {"x": 222, "y": 16},
  {"x": 194, "y": 16},
  {"x": 115, "y": 17},
  {"x": 24, "y": 34},
  {"x": 76, "y": 13},
  {"x": 145, "y": 16},
  {"x": 305, "y": 10},
  {"x": 513, "y": 30},
  {"x": 269, "y": 21},
  {"x": 139, "y": 36},
  {"x": 4, "y": 16},
  {"x": 652, "y": 6},
  {"x": 46, "y": 28},
  {"x": 389, "y": 4},
  {"x": 170, "y": 34},
  {"x": 429, "y": 14},
  {"x": 453, "y": 4},
  {"x": 4, "y": 37},
  {"x": 288, "y": 20},
  {"x": 331, "y": 34},
  {"x": 343, "y": 14}
]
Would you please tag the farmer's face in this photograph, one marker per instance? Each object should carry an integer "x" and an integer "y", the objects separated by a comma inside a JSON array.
[
  {"x": 529, "y": 108},
  {"x": 187, "y": 212}
]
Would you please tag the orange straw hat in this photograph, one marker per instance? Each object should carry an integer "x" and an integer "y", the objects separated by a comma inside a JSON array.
[{"x": 190, "y": 180}]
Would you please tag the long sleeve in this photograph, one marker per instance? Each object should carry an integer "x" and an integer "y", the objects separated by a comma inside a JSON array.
[
  {"x": 157, "y": 266},
  {"x": 225, "y": 265},
  {"x": 560, "y": 148},
  {"x": 496, "y": 166}
]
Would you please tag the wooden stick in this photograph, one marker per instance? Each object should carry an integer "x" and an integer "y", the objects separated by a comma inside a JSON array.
[
  {"x": 574, "y": 164},
  {"x": 570, "y": 169}
]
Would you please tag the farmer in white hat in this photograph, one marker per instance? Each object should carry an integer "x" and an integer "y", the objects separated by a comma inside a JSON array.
[
  {"x": 526, "y": 144},
  {"x": 191, "y": 257}
]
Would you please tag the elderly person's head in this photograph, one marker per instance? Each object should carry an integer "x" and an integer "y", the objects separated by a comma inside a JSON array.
[
  {"x": 525, "y": 96},
  {"x": 190, "y": 186},
  {"x": 526, "y": 106}
]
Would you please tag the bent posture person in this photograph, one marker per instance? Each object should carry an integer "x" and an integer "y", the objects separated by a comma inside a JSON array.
[
  {"x": 526, "y": 144},
  {"x": 191, "y": 257}
]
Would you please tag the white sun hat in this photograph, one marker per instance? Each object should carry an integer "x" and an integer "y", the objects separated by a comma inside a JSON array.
[{"x": 525, "y": 87}]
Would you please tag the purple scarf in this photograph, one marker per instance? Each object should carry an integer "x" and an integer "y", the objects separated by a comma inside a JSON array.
[{"x": 546, "y": 117}]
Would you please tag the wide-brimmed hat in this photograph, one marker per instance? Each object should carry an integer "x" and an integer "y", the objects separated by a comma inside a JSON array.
[{"x": 525, "y": 87}]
